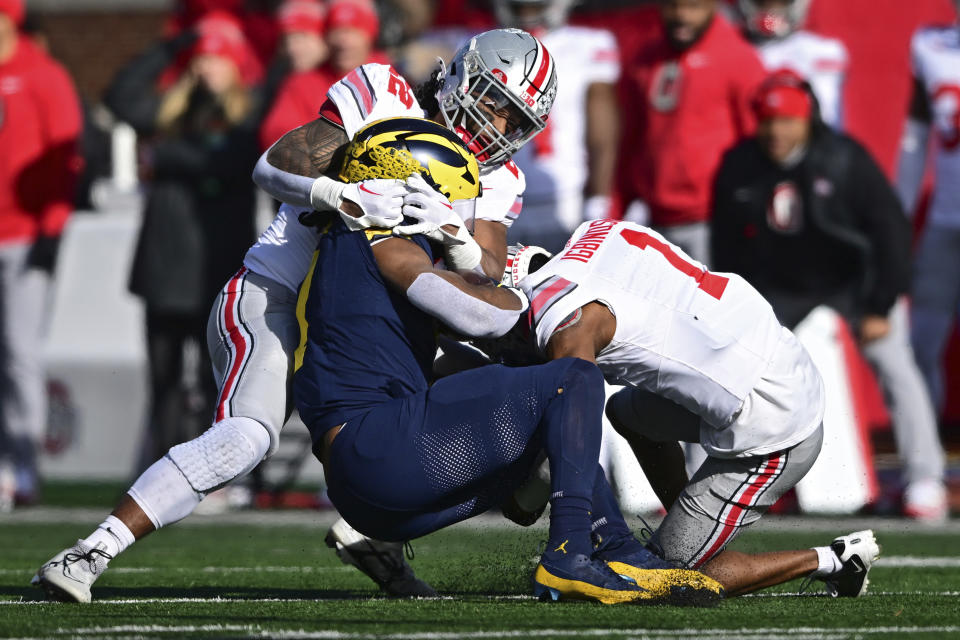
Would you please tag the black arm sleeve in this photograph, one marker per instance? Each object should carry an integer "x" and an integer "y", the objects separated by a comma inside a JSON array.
[
  {"x": 132, "y": 95},
  {"x": 881, "y": 219}
]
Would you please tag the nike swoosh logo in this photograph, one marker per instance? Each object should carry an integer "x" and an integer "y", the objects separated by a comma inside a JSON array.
[{"x": 363, "y": 188}]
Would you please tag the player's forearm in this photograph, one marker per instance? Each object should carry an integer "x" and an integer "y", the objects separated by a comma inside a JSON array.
[
  {"x": 492, "y": 238},
  {"x": 289, "y": 169},
  {"x": 603, "y": 130},
  {"x": 470, "y": 310}
]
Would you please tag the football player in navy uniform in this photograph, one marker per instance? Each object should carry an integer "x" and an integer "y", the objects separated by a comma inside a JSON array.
[{"x": 405, "y": 456}]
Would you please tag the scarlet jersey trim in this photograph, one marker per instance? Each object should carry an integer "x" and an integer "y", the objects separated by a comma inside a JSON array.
[{"x": 330, "y": 113}]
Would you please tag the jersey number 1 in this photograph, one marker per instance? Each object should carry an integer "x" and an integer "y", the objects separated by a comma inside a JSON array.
[{"x": 711, "y": 283}]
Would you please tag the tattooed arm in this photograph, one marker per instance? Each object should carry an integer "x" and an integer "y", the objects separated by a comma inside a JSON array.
[
  {"x": 309, "y": 150},
  {"x": 289, "y": 169}
]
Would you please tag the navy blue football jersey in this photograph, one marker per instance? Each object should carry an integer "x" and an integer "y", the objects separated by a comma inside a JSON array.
[{"x": 365, "y": 343}]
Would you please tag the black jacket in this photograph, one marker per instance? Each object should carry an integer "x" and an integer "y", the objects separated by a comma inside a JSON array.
[
  {"x": 827, "y": 231},
  {"x": 199, "y": 217}
]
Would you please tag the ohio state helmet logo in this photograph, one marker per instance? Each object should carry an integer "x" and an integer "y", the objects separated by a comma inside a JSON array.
[
  {"x": 785, "y": 213},
  {"x": 500, "y": 75}
]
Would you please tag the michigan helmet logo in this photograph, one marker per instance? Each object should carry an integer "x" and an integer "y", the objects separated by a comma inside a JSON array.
[{"x": 399, "y": 147}]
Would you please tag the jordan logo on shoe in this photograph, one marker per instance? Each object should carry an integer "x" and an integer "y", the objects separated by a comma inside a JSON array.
[{"x": 563, "y": 547}]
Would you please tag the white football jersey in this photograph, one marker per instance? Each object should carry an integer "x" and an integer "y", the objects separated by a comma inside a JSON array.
[
  {"x": 704, "y": 340},
  {"x": 555, "y": 162},
  {"x": 367, "y": 94},
  {"x": 821, "y": 61},
  {"x": 935, "y": 55}
]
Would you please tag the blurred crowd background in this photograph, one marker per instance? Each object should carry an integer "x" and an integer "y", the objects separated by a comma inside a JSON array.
[{"x": 781, "y": 139}]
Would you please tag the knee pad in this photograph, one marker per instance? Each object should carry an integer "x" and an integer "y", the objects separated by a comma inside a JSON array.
[
  {"x": 581, "y": 372},
  {"x": 227, "y": 450}
]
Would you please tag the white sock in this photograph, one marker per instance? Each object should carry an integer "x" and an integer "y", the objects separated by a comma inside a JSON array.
[
  {"x": 112, "y": 536},
  {"x": 828, "y": 562}
]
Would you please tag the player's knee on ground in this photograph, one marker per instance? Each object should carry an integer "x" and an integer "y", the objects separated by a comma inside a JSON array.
[{"x": 229, "y": 449}]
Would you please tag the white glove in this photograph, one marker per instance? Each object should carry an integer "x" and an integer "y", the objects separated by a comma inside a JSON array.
[
  {"x": 380, "y": 200},
  {"x": 431, "y": 209},
  {"x": 434, "y": 212}
]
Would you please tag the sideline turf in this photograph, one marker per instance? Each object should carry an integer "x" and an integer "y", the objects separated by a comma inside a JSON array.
[{"x": 485, "y": 573}]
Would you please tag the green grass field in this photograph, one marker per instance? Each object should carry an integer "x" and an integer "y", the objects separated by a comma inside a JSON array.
[{"x": 270, "y": 575}]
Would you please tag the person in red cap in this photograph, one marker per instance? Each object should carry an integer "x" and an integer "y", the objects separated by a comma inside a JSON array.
[
  {"x": 805, "y": 214},
  {"x": 198, "y": 148},
  {"x": 40, "y": 122},
  {"x": 351, "y": 28},
  {"x": 302, "y": 23}
]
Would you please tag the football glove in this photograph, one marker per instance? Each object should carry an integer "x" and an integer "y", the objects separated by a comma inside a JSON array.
[
  {"x": 434, "y": 212},
  {"x": 379, "y": 200}
]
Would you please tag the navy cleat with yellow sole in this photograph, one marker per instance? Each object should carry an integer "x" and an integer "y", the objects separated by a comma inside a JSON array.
[
  {"x": 578, "y": 577},
  {"x": 665, "y": 582}
]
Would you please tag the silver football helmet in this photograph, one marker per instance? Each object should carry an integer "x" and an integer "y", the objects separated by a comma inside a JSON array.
[
  {"x": 773, "y": 22},
  {"x": 506, "y": 73},
  {"x": 551, "y": 14},
  {"x": 523, "y": 260}
]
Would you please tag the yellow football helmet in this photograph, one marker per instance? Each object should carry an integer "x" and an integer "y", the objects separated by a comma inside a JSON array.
[{"x": 399, "y": 147}]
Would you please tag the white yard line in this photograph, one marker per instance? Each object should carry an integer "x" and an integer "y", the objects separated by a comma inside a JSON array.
[
  {"x": 310, "y": 518},
  {"x": 256, "y": 631},
  {"x": 497, "y": 598}
]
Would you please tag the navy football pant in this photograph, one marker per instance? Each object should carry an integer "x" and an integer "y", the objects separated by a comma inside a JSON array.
[{"x": 414, "y": 465}]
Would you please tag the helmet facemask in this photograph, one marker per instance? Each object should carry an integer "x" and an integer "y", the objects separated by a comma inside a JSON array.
[{"x": 472, "y": 94}]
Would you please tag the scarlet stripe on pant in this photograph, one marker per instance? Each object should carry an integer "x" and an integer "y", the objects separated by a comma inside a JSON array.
[
  {"x": 238, "y": 339},
  {"x": 746, "y": 497}
]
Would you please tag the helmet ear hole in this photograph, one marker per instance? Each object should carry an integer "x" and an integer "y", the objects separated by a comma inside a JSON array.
[{"x": 538, "y": 261}]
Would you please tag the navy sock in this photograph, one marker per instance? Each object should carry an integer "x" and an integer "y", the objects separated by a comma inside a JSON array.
[
  {"x": 572, "y": 431},
  {"x": 569, "y": 527},
  {"x": 608, "y": 523}
]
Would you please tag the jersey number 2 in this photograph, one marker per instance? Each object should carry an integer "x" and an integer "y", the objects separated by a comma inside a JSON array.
[
  {"x": 399, "y": 87},
  {"x": 710, "y": 283}
]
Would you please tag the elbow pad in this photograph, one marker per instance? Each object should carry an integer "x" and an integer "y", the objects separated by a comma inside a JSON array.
[{"x": 461, "y": 311}]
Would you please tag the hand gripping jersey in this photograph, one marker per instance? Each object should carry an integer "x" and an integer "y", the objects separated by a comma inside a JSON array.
[
  {"x": 935, "y": 55},
  {"x": 821, "y": 61},
  {"x": 704, "y": 340},
  {"x": 367, "y": 94},
  {"x": 556, "y": 160}
]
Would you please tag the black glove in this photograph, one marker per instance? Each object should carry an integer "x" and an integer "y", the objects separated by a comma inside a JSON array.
[{"x": 43, "y": 253}]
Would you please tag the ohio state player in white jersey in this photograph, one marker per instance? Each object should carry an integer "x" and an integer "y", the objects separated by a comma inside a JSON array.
[
  {"x": 935, "y": 291},
  {"x": 570, "y": 165},
  {"x": 774, "y": 27},
  {"x": 253, "y": 331},
  {"x": 704, "y": 360}
]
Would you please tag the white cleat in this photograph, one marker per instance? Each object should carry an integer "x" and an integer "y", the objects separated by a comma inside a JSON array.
[
  {"x": 383, "y": 562},
  {"x": 926, "y": 501},
  {"x": 857, "y": 551},
  {"x": 67, "y": 576}
]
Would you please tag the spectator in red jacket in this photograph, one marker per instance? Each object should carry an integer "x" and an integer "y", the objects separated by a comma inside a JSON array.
[
  {"x": 351, "y": 33},
  {"x": 39, "y": 128},
  {"x": 687, "y": 99}
]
